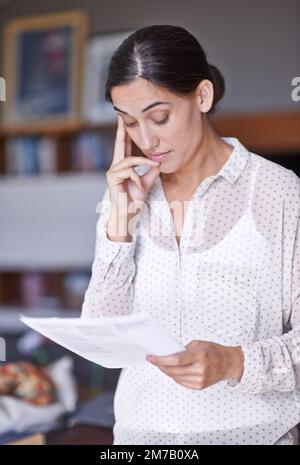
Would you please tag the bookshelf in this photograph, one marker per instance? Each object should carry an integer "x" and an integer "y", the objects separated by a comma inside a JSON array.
[
  {"x": 52, "y": 209},
  {"x": 49, "y": 214},
  {"x": 47, "y": 235}
]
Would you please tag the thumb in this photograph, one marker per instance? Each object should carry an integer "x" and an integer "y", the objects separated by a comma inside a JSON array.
[
  {"x": 192, "y": 344},
  {"x": 148, "y": 178}
]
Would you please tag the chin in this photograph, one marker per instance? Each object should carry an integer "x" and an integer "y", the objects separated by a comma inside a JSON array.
[{"x": 168, "y": 169}]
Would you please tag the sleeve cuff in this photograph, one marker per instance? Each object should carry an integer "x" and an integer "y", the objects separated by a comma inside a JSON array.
[
  {"x": 107, "y": 250},
  {"x": 253, "y": 368}
]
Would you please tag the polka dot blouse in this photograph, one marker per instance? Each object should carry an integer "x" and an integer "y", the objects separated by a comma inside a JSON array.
[{"x": 234, "y": 279}]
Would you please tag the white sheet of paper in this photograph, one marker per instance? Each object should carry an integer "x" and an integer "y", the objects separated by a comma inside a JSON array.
[{"x": 113, "y": 342}]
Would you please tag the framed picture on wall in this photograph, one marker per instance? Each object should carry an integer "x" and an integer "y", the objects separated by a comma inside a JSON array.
[
  {"x": 99, "y": 52},
  {"x": 43, "y": 64}
]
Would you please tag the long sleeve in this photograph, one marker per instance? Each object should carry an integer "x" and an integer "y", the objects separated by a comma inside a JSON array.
[
  {"x": 110, "y": 290},
  {"x": 274, "y": 363}
]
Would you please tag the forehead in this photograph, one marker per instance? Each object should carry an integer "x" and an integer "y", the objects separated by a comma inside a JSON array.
[{"x": 136, "y": 95}]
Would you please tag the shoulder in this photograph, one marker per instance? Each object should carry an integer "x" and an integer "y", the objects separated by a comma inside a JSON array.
[{"x": 274, "y": 178}]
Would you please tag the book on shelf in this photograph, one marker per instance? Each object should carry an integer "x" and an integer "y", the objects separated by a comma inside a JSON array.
[
  {"x": 41, "y": 289},
  {"x": 30, "y": 155},
  {"x": 75, "y": 284},
  {"x": 92, "y": 151},
  {"x": 32, "y": 288},
  {"x": 47, "y": 148},
  {"x": 89, "y": 151}
]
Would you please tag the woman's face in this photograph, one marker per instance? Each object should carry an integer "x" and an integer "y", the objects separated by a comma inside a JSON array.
[{"x": 175, "y": 126}]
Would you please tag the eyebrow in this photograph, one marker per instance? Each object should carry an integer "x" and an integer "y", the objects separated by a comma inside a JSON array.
[{"x": 145, "y": 109}]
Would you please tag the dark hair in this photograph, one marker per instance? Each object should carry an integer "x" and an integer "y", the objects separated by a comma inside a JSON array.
[{"x": 168, "y": 56}]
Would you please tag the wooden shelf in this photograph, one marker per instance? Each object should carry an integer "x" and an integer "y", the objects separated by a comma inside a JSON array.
[
  {"x": 63, "y": 136},
  {"x": 275, "y": 132},
  {"x": 55, "y": 130}
]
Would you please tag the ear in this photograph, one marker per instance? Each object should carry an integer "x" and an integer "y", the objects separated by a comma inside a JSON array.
[{"x": 205, "y": 95}]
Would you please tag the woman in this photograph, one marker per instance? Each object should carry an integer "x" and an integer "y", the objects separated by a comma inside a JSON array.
[{"x": 224, "y": 278}]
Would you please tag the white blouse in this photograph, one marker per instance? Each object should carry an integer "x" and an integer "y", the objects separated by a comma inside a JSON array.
[{"x": 235, "y": 280}]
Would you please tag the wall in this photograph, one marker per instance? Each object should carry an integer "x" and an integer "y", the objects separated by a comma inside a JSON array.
[{"x": 255, "y": 44}]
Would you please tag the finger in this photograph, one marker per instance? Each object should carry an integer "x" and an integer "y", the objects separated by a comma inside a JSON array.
[
  {"x": 181, "y": 358},
  {"x": 193, "y": 344},
  {"x": 122, "y": 175},
  {"x": 195, "y": 383},
  {"x": 188, "y": 385},
  {"x": 120, "y": 142},
  {"x": 135, "y": 177},
  {"x": 128, "y": 146},
  {"x": 149, "y": 177},
  {"x": 134, "y": 161},
  {"x": 189, "y": 379},
  {"x": 182, "y": 371}
]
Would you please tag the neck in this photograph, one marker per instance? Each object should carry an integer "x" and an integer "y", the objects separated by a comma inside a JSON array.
[{"x": 209, "y": 157}]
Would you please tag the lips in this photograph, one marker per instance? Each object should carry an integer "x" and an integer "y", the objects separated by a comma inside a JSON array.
[{"x": 159, "y": 157}]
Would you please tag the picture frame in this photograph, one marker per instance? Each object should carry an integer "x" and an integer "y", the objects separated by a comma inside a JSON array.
[
  {"x": 43, "y": 70},
  {"x": 96, "y": 110}
]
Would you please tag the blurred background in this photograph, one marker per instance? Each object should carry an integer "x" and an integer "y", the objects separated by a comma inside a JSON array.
[{"x": 56, "y": 143}]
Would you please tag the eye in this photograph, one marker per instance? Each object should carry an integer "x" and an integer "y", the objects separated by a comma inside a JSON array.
[
  {"x": 129, "y": 125},
  {"x": 163, "y": 121}
]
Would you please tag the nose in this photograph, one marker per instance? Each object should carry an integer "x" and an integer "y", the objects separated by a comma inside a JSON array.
[{"x": 148, "y": 140}]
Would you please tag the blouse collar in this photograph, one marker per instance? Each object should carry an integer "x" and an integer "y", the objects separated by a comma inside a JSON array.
[
  {"x": 236, "y": 162},
  {"x": 230, "y": 171}
]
